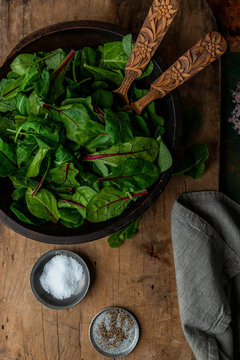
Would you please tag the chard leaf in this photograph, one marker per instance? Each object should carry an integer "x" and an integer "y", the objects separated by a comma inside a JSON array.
[
  {"x": 70, "y": 217},
  {"x": 8, "y": 158},
  {"x": 106, "y": 75},
  {"x": 5, "y": 124},
  {"x": 115, "y": 240},
  {"x": 41, "y": 87},
  {"x": 63, "y": 156},
  {"x": 21, "y": 101},
  {"x": 118, "y": 126},
  {"x": 82, "y": 196},
  {"x": 55, "y": 58},
  {"x": 114, "y": 56},
  {"x": 72, "y": 116},
  {"x": 127, "y": 45},
  {"x": 164, "y": 158},
  {"x": 9, "y": 104},
  {"x": 34, "y": 167},
  {"x": 132, "y": 175},
  {"x": 108, "y": 203},
  {"x": 32, "y": 75},
  {"x": 92, "y": 135},
  {"x": 138, "y": 148},
  {"x": 43, "y": 205},
  {"x": 22, "y": 213},
  {"x": 103, "y": 98},
  {"x": 64, "y": 175},
  {"x": 25, "y": 149},
  {"x": 21, "y": 63},
  {"x": 193, "y": 163},
  {"x": 11, "y": 89}
]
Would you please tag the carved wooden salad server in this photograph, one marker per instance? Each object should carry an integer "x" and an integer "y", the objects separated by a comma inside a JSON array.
[
  {"x": 207, "y": 50},
  {"x": 155, "y": 27}
]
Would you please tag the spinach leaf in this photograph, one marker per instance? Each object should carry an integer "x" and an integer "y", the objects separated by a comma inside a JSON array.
[
  {"x": 25, "y": 149},
  {"x": 18, "y": 194},
  {"x": 106, "y": 75},
  {"x": 140, "y": 148},
  {"x": 132, "y": 175},
  {"x": 8, "y": 158},
  {"x": 118, "y": 126},
  {"x": 9, "y": 104},
  {"x": 41, "y": 87},
  {"x": 34, "y": 167},
  {"x": 43, "y": 205},
  {"x": 164, "y": 158},
  {"x": 115, "y": 240},
  {"x": 21, "y": 101},
  {"x": 5, "y": 124},
  {"x": 31, "y": 76},
  {"x": 193, "y": 163},
  {"x": 11, "y": 89},
  {"x": 108, "y": 203}
]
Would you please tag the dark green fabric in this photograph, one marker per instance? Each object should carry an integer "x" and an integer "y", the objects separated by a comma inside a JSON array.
[{"x": 230, "y": 140}]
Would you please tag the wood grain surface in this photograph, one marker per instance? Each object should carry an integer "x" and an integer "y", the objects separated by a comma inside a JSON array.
[{"x": 139, "y": 276}]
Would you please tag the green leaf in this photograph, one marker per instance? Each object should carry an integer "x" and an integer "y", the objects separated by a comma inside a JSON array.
[
  {"x": 18, "y": 193},
  {"x": 11, "y": 89},
  {"x": 9, "y": 104},
  {"x": 113, "y": 55},
  {"x": 107, "y": 204},
  {"x": 106, "y": 75},
  {"x": 35, "y": 104},
  {"x": 118, "y": 126},
  {"x": 6, "y": 123},
  {"x": 34, "y": 167},
  {"x": 133, "y": 175},
  {"x": 82, "y": 196},
  {"x": 55, "y": 58},
  {"x": 103, "y": 98},
  {"x": 140, "y": 148},
  {"x": 41, "y": 87},
  {"x": 64, "y": 175},
  {"x": 147, "y": 71},
  {"x": 92, "y": 135},
  {"x": 42, "y": 205},
  {"x": 164, "y": 158},
  {"x": 8, "y": 158},
  {"x": 63, "y": 156},
  {"x": 22, "y": 213},
  {"x": 88, "y": 57},
  {"x": 72, "y": 116},
  {"x": 115, "y": 240},
  {"x": 25, "y": 149},
  {"x": 32, "y": 75},
  {"x": 21, "y": 63},
  {"x": 70, "y": 217},
  {"x": 21, "y": 101},
  {"x": 127, "y": 45},
  {"x": 193, "y": 163}
]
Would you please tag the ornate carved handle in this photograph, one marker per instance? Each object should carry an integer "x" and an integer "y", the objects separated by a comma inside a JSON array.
[
  {"x": 207, "y": 50},
  {"x": 155, "y": 26}
]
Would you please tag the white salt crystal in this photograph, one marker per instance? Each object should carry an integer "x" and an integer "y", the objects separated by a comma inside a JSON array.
[{"x": 61, "y": 276}]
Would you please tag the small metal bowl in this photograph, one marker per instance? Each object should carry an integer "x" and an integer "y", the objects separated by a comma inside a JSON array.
[
  {"x": 46, "y": 298},
  {"x": 125, "y": 347}
]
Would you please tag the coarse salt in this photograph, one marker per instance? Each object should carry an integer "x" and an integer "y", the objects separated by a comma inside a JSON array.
[{"x": 61, "y": 276}]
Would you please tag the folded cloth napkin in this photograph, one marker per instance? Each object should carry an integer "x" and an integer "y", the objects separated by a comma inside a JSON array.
[{"x": 206, "y": 247}]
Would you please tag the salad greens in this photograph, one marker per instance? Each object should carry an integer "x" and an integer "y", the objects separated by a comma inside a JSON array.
[{"x": 69, "y": 150}]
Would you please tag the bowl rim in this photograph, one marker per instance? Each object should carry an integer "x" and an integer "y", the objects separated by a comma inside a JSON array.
[
  {"x": 120, "y": 223},
  {"x": 38, "y": 262}
]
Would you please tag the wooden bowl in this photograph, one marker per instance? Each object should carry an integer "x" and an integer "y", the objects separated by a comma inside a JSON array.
[{"x": 75, "y": 35}]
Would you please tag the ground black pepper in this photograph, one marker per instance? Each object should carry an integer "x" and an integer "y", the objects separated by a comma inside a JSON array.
[{"x": 114, "y": 328}]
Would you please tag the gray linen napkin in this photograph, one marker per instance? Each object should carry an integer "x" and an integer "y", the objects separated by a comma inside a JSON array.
[{"x": 206, "y": 247}]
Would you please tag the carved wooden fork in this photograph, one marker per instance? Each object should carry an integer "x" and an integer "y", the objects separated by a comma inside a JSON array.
[
  {"x": 155, "y": 26},
  {"x": 207, "y": 50}
]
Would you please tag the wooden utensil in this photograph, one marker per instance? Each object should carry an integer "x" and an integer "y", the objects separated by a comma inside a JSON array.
[
  {"x": 155, "y": 27},
  {"x": 207, "y": 50}
]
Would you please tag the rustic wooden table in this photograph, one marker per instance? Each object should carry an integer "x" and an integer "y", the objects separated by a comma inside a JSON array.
[{"x": 140, "y": 275}]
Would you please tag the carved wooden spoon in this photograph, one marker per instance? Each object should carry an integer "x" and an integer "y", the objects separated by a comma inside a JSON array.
[
  {"x": 155, "y": 26},
  {"x": 207, "y": 50}
]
